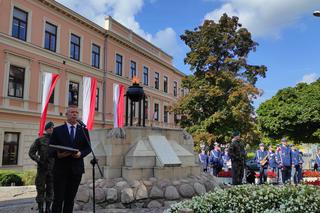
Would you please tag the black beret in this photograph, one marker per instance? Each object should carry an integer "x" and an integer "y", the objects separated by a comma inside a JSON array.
[{"x": 49, "y": 125}]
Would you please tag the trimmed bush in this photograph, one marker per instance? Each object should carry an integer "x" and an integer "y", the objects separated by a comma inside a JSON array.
[
  {"x": 5, "y": 172},
  {"x": 250, "y": 198},
  {"x": 18, "y": 178},
  {"x": 9, "y": 179}
]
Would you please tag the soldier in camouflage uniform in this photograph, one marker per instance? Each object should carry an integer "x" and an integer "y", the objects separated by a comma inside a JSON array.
[
  {"x": 237, "y": 155},
  {"x": 39, "y": 152}
]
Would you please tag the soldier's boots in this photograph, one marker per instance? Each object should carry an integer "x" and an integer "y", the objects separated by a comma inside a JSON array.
[
  {"x": 48, "y": 207},
  {"x": 40, "y": 207}
]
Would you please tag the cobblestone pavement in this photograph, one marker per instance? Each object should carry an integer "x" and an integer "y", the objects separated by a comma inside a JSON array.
[{"x": 22, "y": 200}]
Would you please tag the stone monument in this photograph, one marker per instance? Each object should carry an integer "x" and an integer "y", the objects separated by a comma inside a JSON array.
[{"x": 139, "y": 152}]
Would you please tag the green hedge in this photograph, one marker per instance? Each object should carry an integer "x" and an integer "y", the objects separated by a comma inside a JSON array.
[
  {"x": 250, "y": 198},
  {"x": 250, "y": 155},
  {"x": 7, "y": 177},
  {"x": 28, "y": 177}
]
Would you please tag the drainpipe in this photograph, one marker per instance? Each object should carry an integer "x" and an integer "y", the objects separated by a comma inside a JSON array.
[{"x": 105, "y": 71}]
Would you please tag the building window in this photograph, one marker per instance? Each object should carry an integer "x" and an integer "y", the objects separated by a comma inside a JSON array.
[
  {"x": 51, "y": 100},
  {"x": 165, "y": 84},
  {"x": 73, "y": 98},
  {"x": 133, "y": 69},
  {"x": 145, "y": 75},
  {"x": 175, "y": 118},
  {"x": 156, "y": 80},
  {"x": 165, "y": 114},
  {"x": 182, "y": 92},
  {"x": 156, "y": 112},
  {"x": 95, "y": 56},
  {"x": 10, "y": 148},
  {"x": 19, "y": 24},
  {"x": 119, "y": 64},
  {"x": 75, "y": 47},
  {"x": 50, "y": 37},
  {"x": 97, "y": 100},
  {"x": 175, "y": 88},
  {"x": 16, "y": 82}
]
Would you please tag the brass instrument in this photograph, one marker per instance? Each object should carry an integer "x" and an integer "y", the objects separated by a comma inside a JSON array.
[{"x": 264, "y": 160}]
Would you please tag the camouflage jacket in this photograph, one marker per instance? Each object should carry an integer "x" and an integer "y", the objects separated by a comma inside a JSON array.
[
  {"x": 237, "y": 151},
  {"x": 39, "y": 152}
]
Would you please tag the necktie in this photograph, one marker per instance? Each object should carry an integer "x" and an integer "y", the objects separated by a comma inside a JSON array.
[{"x": 72, "y": 133}]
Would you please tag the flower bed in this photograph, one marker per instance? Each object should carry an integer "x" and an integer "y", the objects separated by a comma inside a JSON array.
[
  {"x": 225, "y": 177},
  {"x": 271, "y": 177},
  {"x": 224, "y": 174},
  {"x": 310, "y": 177},
  {"x": 309, "y": 173},
  {"x": 315, "y": 183},
  {"x": 271, "y": 174},
  {"x": 251, "y": 198}
]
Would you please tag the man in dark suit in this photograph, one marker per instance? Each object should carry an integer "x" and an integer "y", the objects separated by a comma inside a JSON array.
[{"x": 69, "y": 167}]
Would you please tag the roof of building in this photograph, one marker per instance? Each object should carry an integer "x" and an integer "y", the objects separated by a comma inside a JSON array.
[{"x": 90, "y": 24}]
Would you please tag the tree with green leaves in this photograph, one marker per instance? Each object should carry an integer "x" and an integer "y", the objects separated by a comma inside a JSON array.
[
  {"x": 294, "y": 112},
  {"x": 222, "y": 87}
]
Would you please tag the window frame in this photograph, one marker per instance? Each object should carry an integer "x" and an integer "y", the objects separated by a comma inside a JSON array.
[
  {"x": 51, "y": 99},
  {"x": 165, "y": 114},
  {"x": 96, "y": 108},
  {"x": 73, "y": 103},
  {"x": 175, "y": 88},
  {"x": 133, "y": 69},
  {"x": 73, "y": 46},
  {"x": 156, "y": 111},
  {"x": 156, "y": 80},
  {"x": 19, "y": 24},
  {"x": 50, "y": 35},
  {"x": 165, "y": 84},
  {"x": 17, "y": 148},
  {"x": 95, "y": 56},
  {"x": 119, "y": 64},
  {"x": 145, "y": 76},
  {"x": 15, "y": 83}
]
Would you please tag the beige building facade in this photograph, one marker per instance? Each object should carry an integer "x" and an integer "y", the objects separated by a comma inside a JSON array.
[{"x": 38, "y": 36}]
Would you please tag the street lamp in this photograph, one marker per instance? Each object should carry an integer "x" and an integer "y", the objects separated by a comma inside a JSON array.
[{"x": 316, "y": 13}]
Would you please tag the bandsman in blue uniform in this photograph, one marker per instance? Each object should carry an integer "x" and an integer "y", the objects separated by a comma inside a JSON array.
[
  {"x": 203, "y": 158},
  {"x": 297, "y": 164},
  {"x": 318, "y": 160},
  {"x": 216, "y": 159},
  {"x": 261, "y": 158},
  {"x": 285, "y": 161},
  {"x": 226, "y": 160},
  {"x": 273, "y": 166},
  {"x": 278, "y": 160}
]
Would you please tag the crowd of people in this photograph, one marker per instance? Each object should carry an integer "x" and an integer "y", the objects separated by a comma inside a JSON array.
[{"x": 285, "y": 162}]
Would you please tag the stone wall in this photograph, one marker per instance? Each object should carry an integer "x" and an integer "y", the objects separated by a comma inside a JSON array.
[{"x": 145, "y": 193}]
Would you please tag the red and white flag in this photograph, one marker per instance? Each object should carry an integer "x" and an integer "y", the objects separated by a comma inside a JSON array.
[
  {"x": 118, "y": 105},
  {"x": 89, "y": 101},
  {"x": 50, "y": 80}
]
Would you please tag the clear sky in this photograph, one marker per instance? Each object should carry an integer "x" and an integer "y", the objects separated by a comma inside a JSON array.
[{"x": 287, "y": 32}]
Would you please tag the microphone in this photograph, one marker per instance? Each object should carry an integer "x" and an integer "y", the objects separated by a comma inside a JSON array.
[{"x": 81, "y": 123}]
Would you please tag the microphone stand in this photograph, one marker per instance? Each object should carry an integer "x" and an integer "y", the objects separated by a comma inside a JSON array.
[{"x": 93, "y": 162}]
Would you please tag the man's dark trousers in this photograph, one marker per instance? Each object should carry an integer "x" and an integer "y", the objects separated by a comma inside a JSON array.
[
  {"x": 237, "y": 172},
  {"x": 65, "y": 188},
  {"x": 286, "y": 174}
]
